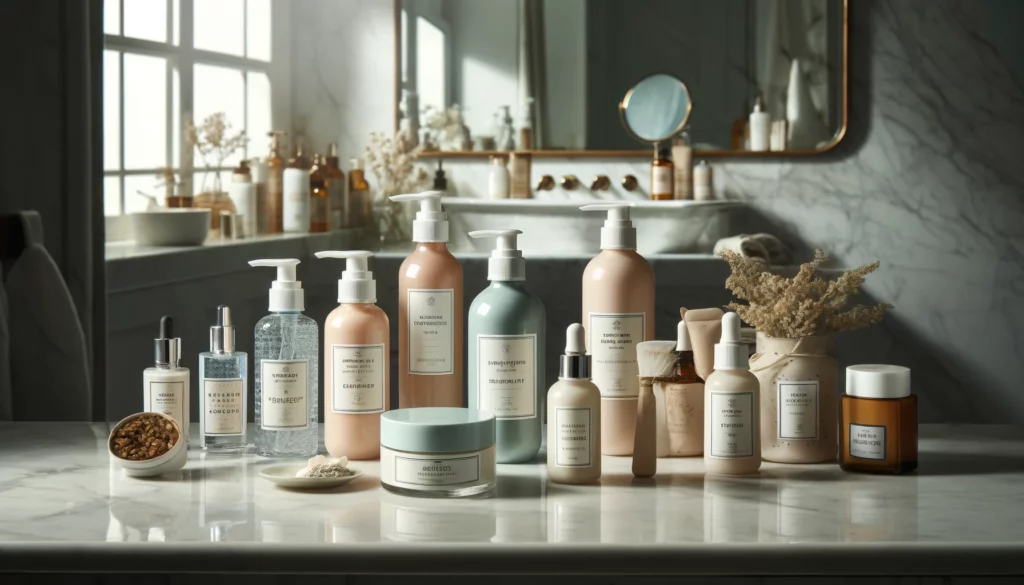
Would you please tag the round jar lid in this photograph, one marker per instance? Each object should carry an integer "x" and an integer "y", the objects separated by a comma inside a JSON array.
[
  {"x": 437, "y": 430},
  {"x": 878, "y": 381}
]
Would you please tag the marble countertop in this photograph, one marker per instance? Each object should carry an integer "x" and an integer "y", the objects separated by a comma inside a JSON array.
[{"x": 63, "y": 506}]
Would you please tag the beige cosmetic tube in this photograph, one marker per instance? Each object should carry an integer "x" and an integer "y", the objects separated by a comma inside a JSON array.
[{"x": 705, "y": 329}]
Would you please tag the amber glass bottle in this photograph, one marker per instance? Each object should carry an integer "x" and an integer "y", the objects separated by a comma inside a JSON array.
[
  {"x": 878, "y": 421},
  {"x": 319, "y": 196},
  {"x": 662, "y": 175},
  {"x": 360, "y": 205},
  {"x": 336, "y": 187},
  {"x": 275, "y": 184}
]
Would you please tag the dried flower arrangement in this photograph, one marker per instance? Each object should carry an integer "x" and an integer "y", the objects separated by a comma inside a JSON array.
[
  {"x": 448, "y": 126},
  {"x": 802, "y": 306},
  {"x": 392, "y": 160},
  {"x": 214, "y": 140}
]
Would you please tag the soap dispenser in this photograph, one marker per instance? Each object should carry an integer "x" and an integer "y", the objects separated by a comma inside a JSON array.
[
  {"x": 506, "y": 351},
  {"x": 286, "y": 369},
  {"x": 430, "y": 321},
  {"x": 618, "y": 313},
  {"x": 357, "y": 349}
]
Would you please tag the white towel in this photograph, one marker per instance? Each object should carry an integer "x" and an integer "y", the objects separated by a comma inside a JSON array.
[{"x": 765, "y": 247}]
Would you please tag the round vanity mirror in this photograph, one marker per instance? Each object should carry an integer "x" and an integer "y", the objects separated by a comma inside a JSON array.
[{"x": 656, "y": 108}]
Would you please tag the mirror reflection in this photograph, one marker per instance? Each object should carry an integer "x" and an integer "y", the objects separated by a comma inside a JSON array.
[{"x": 656, "y": 108}]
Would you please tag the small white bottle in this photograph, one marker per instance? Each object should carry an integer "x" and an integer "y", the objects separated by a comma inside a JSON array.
[
  {"x": 574, "y": 416},
  {"x": 498, "y": 181},
  {"x": 165, "y": 387},
  {"x": 243, "y": 194},
  {"x": 260, "y": 174},
  {"x": 295, "y": 209},
  {"x": 732, "y": 407},
  {"x": 760, "y": 126},
  {"x": 703, "y": 182}
]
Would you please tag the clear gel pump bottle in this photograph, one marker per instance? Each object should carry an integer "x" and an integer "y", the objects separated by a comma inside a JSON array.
[{"x": 222, "y": 400}]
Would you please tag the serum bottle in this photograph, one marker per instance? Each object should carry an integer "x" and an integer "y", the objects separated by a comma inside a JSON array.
[
  {"x": 222, "y": 401},
  {"x": 285, "y": 370},
  {"x": 165, "y": 387},
  {"x": 574, "y": 416},
  {"x": 732, "y": 417}
]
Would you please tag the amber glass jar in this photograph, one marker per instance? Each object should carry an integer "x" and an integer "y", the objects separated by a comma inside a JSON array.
[{"x": 879, "y": 420}]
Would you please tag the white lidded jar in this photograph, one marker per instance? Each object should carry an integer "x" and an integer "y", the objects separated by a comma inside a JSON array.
[{"x": 499, "y": 182}]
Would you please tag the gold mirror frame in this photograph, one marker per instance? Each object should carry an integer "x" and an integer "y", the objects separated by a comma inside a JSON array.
[{"x": 642, "y": 153}]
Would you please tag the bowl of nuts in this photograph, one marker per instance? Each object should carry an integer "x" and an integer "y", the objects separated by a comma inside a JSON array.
[{"x": 147, "y": 444}]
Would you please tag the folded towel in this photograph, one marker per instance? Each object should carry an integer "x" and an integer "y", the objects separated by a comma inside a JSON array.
[{"x": 765, "y": 247}]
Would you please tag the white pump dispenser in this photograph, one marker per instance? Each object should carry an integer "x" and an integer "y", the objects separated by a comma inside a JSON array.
[
  {"x": 506, "y": 261},
  {"x": 618, "y": 232},
  {"x": 431, "y": 223},
  {"x": 356, "y": 284},
  {"x": 286, "y": 293},
  {"x": 731, "y": 352}
]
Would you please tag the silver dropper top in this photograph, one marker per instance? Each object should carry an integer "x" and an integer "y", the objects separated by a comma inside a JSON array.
[
  {"x": 222, "y": 335},
  {"x": 575, "y": 363},
  {"x": 167, "y": 348}
]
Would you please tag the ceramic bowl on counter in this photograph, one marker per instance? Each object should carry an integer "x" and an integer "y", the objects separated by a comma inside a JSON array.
[
  {"x": 171, "y": 227},
  {"x": 167, "y": 462}
]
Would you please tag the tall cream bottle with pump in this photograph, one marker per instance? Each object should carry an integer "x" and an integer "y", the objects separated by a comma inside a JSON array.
[
  {"x": 618, "y": 313},
  {"x": 574, "y": 416},
  {"x": 430, "y": 318},
  {"x": 732, "y": 403},
  {"x": 356, "y": 369}
]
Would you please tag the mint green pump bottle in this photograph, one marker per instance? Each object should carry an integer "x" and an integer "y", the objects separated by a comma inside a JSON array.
[{"x": 506, "y": 351}]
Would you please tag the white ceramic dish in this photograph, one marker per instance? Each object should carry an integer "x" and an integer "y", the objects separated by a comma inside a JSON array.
[
  {"x": 284, "y": 476},
  {"x": 171, "y": 227},
  {"x": 169, "y": 462}
]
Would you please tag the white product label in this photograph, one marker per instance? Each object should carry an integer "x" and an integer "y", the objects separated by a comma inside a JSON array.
[
  {"x": 431, "y": 331},
  {"x": 295, "y": 214},
  {"x": 661, "y": 180},
  {"x": 798, "y": 409},
  {"x": 867, "y": 441},
  {"x": 357, "y": 380},
  {"x": 732, "y": 424},
  {"x": 613, "y": 339},
  {"x": 431, "y": 472},
  {"x": 572, "y": 437},
  {"x": 506, "y": 372},
  {"x": 222, "y": 404},
  {"x": 167, "y": 398},
  {"x": 285, "y": 388}
]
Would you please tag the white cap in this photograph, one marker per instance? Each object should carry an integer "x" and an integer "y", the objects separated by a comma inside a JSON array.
[
  {"x": 506, "y": 261},
  {"x": 356, "y": 284},
  {"x": 730, "y": 351},
  {"x": 618, "y": 232},
  {"x": 431, "y": 224},
  {"x": 878, "y": 381},
  {"x": 682, "y": 337},
  {"x": 285, "y": 293}
]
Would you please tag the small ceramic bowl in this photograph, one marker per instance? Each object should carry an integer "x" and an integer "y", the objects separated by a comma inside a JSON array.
[
  {"x": 169, "y": 462},
  {"x": 171, "y": 227}
]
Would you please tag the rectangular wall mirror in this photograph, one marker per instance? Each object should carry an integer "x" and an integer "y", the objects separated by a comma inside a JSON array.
[{"x": 472, "y": 75}]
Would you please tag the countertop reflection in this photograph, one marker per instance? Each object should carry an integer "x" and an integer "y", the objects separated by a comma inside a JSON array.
[{"x": 60, "y": 498}]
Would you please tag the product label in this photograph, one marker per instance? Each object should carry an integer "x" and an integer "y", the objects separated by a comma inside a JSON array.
[
  {"x": 613, "y": 339},
  {"x": 430, "y": 472},
  {"x": 222, "y": 404},
  {"x": 572, "y": 437},
  {"x": 506, "y": 372},
  {"x": 661, "y": 180},
  {"x": 167, "y": 398},
  {"x": 867, "y": 441},
  {"x": 732, "y": 424},
  {"x": 797, "y": 409},
  {"x": 357, "y": 378},
  {"x": 285, "y": 387},
  {"x": 431, "y": 331}
]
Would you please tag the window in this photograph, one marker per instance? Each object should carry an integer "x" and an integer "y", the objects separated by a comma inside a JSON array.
[
  {"x": 168, "y": 61},
  {"x": 425, "y": 56}
]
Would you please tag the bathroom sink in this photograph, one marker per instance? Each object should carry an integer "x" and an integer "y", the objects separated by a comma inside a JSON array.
[{"x": 559, "y": 227}]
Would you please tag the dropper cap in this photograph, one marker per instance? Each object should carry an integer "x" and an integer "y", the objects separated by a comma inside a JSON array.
[
  {"x": 431, "y": 223},
  {"x": 167, "y": 347},
  {"x": 356, "y": 284},
  {"x": 506, "y": 261},
  {"x": 682, "y": 337},
  {"x": 286, "y": 295},
  {"x": 575, "y": 364},
  {"x": 731, "y": 352},
  {"x": 222, "y": 335},
  {"x": 618, "y": 232}
]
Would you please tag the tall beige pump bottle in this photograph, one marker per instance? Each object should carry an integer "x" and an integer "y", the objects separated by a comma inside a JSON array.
[
  {"x": 430, "y": 317},
  {"x": 357, "y": 349},
  {"x": 732, "y": 418},
  {"x": 618, "y": 313}
]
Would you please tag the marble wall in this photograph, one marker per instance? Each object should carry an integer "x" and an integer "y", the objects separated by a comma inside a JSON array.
[{"x": 926, "y": 180}]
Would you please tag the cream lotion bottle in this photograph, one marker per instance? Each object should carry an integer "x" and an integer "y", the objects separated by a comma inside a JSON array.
[
  {"x": 506, "y": 351},
  {"x": 618, "y": 313},
  {"x": 357, "y": 349},
  {"x": 430, "y": 319},
  {"x": 574, "y": 416},
  {"x": 165, "y": 386},
  {"x": 732, "y": 418}
]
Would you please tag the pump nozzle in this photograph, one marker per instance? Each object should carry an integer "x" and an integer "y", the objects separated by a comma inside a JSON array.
[
  {"x": 506, "y": 261},
  {"x": 286, "y": 292},
  {"x": 618, "y": 232},
  {"x": 356, "y": 284},
  {"x": 575, "y": 363},
  {"x": 431, "y": 223}
]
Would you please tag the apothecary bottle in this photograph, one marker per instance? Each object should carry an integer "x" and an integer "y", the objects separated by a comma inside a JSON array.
[{"x": 879, "y": 420}]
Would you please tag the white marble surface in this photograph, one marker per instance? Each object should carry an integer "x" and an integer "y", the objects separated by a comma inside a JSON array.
[{"x": 62, "y": 505}]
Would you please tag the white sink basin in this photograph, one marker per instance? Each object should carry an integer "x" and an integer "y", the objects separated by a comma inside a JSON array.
[{"x": 559, "y": 227}]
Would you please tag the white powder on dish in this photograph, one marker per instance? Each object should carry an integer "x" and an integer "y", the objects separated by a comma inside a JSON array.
[{"x": 321, "y": 466}]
